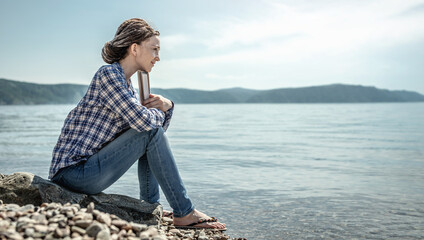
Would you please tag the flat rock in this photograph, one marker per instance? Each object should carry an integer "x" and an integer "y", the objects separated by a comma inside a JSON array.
[{"x": 26, "y": 188}]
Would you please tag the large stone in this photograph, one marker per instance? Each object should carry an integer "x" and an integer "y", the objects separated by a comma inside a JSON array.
[
  {"x": 27, "y": 188},
  {"x": 127, "y": 208}
]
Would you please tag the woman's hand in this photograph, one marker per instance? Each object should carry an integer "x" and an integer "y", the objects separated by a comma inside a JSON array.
[{"x": 157, "y": 101}]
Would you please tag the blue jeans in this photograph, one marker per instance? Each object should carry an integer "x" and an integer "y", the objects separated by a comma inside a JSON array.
[{"x": 156, "y": 166}]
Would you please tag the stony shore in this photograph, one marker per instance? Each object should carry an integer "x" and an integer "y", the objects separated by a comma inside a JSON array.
[
  {"x": 71, "y": 221},
  {"x": 35, "y": 208}
]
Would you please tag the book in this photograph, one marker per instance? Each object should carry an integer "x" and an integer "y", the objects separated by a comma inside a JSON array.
[{"x": 143, "y": 85}]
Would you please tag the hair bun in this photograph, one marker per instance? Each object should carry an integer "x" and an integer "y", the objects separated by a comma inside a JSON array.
[{"x": 111, "y": 54}]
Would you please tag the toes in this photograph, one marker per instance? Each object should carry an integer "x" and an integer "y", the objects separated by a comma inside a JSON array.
[{"x": 218, "y": 225}]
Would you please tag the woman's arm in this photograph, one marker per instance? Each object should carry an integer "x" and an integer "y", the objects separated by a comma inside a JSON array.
[
  {"x": 116, "y": 97},
  {"x": 164, "y": 104},
  {"x": 159, "y": 102}
]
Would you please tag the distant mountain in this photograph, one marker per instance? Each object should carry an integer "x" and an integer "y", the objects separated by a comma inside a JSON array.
[
  {"x": 335, "y": 93},
  {"x": 14, "y": 93},
  {"x": 182, "y": 95},
  {"x": 19, "y": 93}
]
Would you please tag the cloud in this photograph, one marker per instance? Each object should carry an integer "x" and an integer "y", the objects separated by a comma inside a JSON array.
[
  {"x": 295, "y": 32},
  {"x": 301, "y": 44},
  {"x": 170, "y": 42},
  {"x": 412, "y": 10}
]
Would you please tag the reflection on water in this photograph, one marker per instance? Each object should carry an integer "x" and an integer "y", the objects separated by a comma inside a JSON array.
[{"x": 273, "y": 171}]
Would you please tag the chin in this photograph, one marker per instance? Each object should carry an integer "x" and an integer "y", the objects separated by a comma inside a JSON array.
[{"x": 146, "y": 69}]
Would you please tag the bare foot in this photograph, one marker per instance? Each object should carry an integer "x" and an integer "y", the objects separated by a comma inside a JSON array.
[{"x": 194, "y": 217}]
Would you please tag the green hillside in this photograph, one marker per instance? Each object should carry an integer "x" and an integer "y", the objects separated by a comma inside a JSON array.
[{"x": 20, "y": 93}]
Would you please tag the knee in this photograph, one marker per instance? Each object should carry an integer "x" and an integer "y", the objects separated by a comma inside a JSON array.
[{"x": 156, "y": 132}]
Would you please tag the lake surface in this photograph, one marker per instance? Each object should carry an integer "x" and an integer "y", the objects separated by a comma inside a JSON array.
[{"x": 272, "y": 171}]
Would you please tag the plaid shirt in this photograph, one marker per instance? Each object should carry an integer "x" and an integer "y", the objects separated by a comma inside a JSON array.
[{"x": 108, "y": 108}]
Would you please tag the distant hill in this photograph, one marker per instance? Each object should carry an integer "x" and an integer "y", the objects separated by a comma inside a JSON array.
[
  {"x": 335, "y": 93},
  {"x": 183, "y": 95},
  {"x": 20, "y": 93}
]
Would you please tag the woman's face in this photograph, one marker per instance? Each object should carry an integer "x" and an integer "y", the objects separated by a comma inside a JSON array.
[{"x": 149, "y": 53}]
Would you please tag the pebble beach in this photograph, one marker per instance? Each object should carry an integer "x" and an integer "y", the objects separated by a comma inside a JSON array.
[{"x": 71, "y": 221}]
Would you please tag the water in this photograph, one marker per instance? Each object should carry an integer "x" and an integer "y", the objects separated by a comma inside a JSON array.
[{"x": 273, "y": 171}]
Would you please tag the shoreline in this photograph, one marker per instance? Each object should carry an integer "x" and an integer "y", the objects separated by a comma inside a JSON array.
[
  {"x": 35, "y": 208},
  {"x": 71, "y": 221}
]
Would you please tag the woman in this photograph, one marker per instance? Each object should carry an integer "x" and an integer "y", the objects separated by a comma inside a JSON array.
[{"x": 109, "y": 130}]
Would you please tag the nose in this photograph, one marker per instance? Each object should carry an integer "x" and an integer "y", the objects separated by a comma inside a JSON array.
[{"x": 157, "y": 58}]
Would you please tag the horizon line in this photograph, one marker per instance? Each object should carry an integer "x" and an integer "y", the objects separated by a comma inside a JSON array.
[{"x": 220, "y": 89}]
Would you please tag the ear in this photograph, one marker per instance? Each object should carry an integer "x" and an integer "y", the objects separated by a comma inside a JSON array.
[{"x": 133, "y": 49}]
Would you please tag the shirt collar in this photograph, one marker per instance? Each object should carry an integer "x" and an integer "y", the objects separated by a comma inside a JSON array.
[{"x": 118, "y": 66}]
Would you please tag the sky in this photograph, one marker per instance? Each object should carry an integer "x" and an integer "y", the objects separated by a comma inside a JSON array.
[{"x": 209, "y": 45}]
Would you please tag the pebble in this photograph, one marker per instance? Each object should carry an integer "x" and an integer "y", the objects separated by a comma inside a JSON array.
[
  {"x": 114, "y": 229},
  {"x": 188, "y": 235},
  {"x": 41, "y": 228},
  {"x": 83, "y": 223},
  {"x": 62, "y": 232},
  {"x": 202, "y": 238},
  {"x": 104, "y": 218},
  {"x": 29, "y": 208},
  {"x": 78, "y": 230},
  {"x": 167, "y": 220},
  {"x": 137, "y": 227},
  {"x": 114, "y": 236},
  {"x": 77, "y": 206},
  {"x": 175, "y": 231},
  {"x": 94, "y": 228},
  {"x": 144, "y": 236},
  {"x": 82, "y": 216},
  {"x": 29, "y": 232},
  {"x": 11, "y": 207},
  {"x": 4, "y": 224},
  {"x": 90, "y": 207},
  {"x": 40, "y": 218},
  {"x": 10, "y": 214},
  {"x": 119, "y": 223},
  {"x": 103, "y": 235},
  {"x": 159, "y": 237},
  {"x": 127, "y": 227},
  {"x": 151, "y": 231},
  {"x": 72, "y": 222},
  {"x": 58, "y": 218},
  {"x": 96, "y": 212}
]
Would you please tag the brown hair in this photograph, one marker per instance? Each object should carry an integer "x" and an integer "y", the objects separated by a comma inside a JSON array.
[{"x": 134, "y": 30}]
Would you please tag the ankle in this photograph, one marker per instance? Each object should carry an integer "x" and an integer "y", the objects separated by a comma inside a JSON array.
[{"x": 186, "y": 216}]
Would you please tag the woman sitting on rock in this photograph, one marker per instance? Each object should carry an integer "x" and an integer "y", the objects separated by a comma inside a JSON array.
[{"x": 110, "y": 129}]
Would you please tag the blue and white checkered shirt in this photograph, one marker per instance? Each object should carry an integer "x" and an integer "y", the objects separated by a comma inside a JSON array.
[{"x": 108, "y": 108}]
